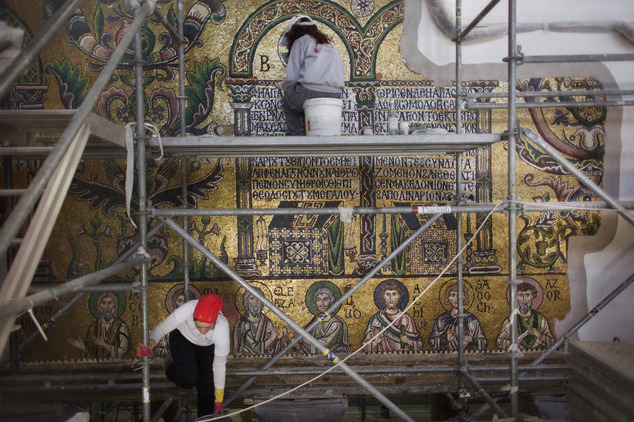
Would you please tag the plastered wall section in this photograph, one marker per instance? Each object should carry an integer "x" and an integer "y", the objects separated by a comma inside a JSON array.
[{"x": 599, "y": 264}]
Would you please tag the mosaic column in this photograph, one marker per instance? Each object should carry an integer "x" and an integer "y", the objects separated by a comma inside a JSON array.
[
  {"x": 367, "y": 254},
  {"x": 27, "y": 97},
  {"x": 366, "y": 103},
  {"x": 245, "y": 262},
  {"x": 28, "y": 92},
  {"x": 241, "y": 93},
  {"x": 483, "y": 260}
]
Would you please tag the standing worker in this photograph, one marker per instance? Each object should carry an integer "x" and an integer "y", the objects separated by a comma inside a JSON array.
[
  {"x": 199, "y": 343},
  {"x": 314, "y": 70}
]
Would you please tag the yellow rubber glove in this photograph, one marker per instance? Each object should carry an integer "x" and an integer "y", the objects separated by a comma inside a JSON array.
[{"x": 219, "y": 394}]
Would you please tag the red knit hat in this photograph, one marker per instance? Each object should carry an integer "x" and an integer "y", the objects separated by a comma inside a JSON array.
[{"x": 207, "y": 308}]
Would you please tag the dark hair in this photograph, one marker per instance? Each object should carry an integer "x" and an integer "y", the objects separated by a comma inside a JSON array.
[
  {"x": 391, "y": 285},
  {"x": 526, "y": 287},
  {"x": 298, "y": 31},
  {"x": 454, "y": 288}
]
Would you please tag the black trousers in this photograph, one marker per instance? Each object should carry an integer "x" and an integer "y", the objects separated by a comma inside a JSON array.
[
  {"x": 293, "y": 106},
  {"x": 193, "y": 367}
]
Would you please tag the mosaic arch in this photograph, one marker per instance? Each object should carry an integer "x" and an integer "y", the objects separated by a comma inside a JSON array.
[{"x": 361, "y": 41}]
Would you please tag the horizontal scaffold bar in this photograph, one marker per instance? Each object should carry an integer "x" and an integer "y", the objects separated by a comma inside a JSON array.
[
  {"x": 526, "y": 207},
  {"x": 281, "y": 146},
  {"x": 472, "y": 104},
  {"x": 577, "y": 58},
  {"x": 324, "y": 146},
  {"x": 576, "y": 93}
]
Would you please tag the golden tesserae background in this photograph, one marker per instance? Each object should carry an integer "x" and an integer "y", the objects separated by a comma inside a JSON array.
[{"x": 235, "y": 56}]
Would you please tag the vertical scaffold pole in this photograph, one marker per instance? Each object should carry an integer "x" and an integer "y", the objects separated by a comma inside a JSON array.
[
  {"x": 512, "y": 207},
  {"x": 141, "y": 141},
  {"x": 184, "y": 178},
  {"x": 183, "y": 133},
  {"x": 459, "y": 95}
]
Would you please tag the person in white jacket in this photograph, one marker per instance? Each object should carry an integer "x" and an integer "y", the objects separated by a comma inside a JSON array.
[
  {"x": 314, "y": 70},
  {"x": 199, "y": 343}
]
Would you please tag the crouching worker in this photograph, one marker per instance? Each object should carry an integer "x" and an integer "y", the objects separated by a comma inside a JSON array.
[{"x": 199, "y": 343}]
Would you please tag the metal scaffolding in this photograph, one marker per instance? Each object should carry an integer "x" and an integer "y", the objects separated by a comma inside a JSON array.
[
  {"x": 75, "y": 142},
  {"x": 514, "y": 59}
]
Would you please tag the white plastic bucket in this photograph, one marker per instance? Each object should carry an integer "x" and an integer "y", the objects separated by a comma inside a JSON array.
[{"x": 323, "y": 116}]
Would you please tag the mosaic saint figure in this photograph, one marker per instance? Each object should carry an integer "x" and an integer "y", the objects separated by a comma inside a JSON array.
[
  {"x": 331, "y": 330},
  {"x": 108, "y": 337},
  {"x": 173, "y": 300},
  {"x": 402, "y": 335},
  {"x": 532, "y": 327},
  {"x": 444, "y": 335},
  {"x": 254, "y": 334}
]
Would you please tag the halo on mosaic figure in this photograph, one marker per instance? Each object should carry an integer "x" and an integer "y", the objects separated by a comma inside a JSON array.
[
  {"x": 537, "y": 301},
  {"x": 451, "y": 282},
  {"x": 172, "y": 296},
  {"x": 239, "y": 298},
  {"x": 310, "y": 295},
  {"x": 379, "y": 301},
  {"x": 282, "y": 49},
  {"x": 95, "y": 298}
]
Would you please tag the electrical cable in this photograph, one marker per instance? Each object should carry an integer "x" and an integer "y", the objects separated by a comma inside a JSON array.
[{"x": 459, "y": 253}]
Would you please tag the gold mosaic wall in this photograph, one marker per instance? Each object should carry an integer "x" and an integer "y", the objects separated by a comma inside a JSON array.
[{"x": 234, "y": 59}]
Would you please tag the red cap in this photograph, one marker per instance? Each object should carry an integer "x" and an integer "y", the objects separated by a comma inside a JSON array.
[{"x": 207, "y": 308}]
